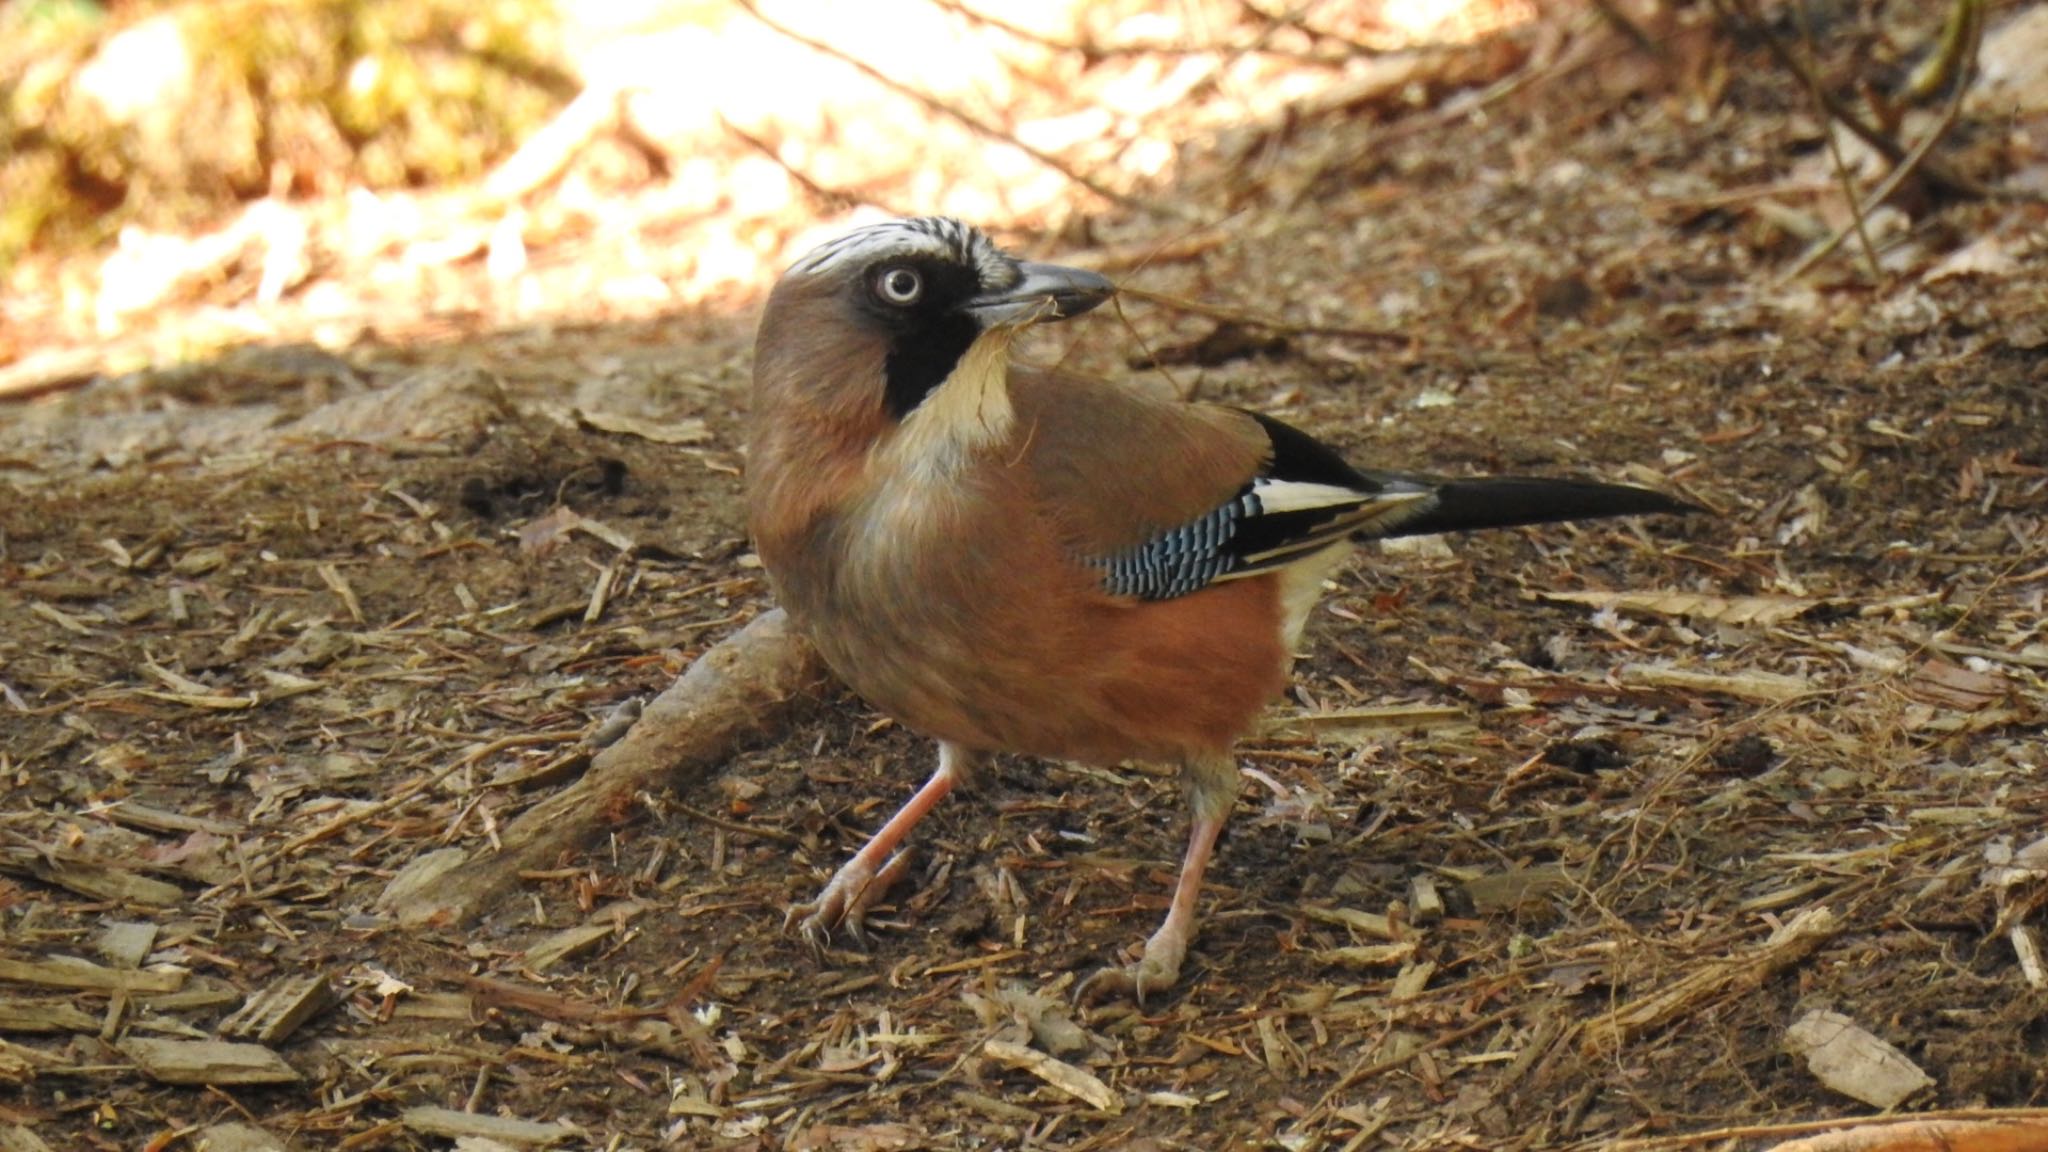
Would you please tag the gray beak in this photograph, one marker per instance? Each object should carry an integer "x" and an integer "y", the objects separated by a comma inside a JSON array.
[{"x": 1047, "y": 292}]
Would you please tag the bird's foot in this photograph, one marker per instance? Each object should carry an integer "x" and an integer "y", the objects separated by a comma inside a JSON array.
[
  {"x": 1155, "y": 972},
  {"x": 843, "y": 903}
]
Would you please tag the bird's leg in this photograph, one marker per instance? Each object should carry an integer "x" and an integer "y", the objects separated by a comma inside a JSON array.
[
  {"x": 1212, "y": 790},
  {"x": 863, "y": 879}
]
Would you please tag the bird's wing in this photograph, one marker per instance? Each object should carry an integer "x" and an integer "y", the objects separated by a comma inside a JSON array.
[{"x": 1164, "y": 498}]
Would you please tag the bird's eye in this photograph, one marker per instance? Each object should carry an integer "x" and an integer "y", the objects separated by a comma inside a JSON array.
[{"x": 899, "y": 285}]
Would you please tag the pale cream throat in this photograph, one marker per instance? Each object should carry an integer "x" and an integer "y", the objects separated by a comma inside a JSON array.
[{"x": 968, "y": 411}]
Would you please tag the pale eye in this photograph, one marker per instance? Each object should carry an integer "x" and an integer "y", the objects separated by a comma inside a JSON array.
[{"x": 900, "y": 286}]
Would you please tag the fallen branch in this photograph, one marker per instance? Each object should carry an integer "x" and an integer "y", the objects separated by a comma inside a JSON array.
[
  {"x": 1715, "y": 980},
  {"x": 1971, "y": 1129},
  {"x": 1930, "y": 1136},
  {"x": 744, "y": 687}
]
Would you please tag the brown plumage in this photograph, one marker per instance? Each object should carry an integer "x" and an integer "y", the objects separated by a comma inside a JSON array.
[{"x": 1019, "y": 560}]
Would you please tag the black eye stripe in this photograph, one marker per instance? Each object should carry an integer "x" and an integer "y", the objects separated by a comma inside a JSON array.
[{"x": 927, "y": 333}]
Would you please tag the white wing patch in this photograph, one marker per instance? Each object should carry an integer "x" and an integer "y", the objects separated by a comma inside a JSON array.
[
  {"x": 1300, "y": 496},
  {"x": 1269, "y": 524}
]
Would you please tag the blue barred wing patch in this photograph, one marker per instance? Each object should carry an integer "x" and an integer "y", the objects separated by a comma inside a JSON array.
[
  {"x": 1182, "y": 560},
  {"x": 1269, "y": 524}
]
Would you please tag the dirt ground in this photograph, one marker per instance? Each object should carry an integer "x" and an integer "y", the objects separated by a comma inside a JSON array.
[{"x": 279, "y": 625}]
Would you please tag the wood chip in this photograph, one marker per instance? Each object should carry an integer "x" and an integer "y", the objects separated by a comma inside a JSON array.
[
  {"x": 16, "y": 1138},
  {"x": 554, "y": 949},
  {"x": 2026, "y": 946},
  {"x": 1849, "y": 1059},
  {"x": 272, "y": 1015},
  {"x": 339, "y": 585},
  {"x": 1357, "y": 725},
  {"x": 1411, "y": 981},
  {"x": 20, "y": 1064},
  {"x": 1738, "y": 611},
  {"x": 1425, "y": 903},
  {"x": 1076, "y": 1082},
  {"x": 129, "y": 814},
  {"x": 459, "y": 1006},
  {"x": 1770, "y": 686},
  {"x": 509, "y": 1129},
  {"x": 61, "y": 619},
  {"x": 1358, "y": 920},
  {"x": 126, "y": 942},
  {"x": 71, "y": 972},
  {"x": 44, "y": 1016},
  {"x": 1947, "y": 685},
  {"x": 1001, "y": 1111},
  {"x": 1368, "y": 955},
  {"x": 236, "y": 1137},
  {"x": 93, "y": 878},
  {"x": 203, "y": 994},
  {"x": 206, "y": 1062},
  {"x": 1520, "y": 890},
  {"x": 402, "y": 893},
  {"x": 214, "y": 701}
]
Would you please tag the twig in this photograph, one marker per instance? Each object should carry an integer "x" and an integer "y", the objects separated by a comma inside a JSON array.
[
  {"x": 1857, "y": 216},
  {"x": 1533, "y": 71},
  {"x": 1253, "y": 320},
  {"x": 1095, "y": 51},
  {"x": 1912, "y": 161},
  {"x": 829, "y": 197},
  {"x": 968, "y": 119},
  {"x": 741, "y": 827},
  {"x": 1632, "y": 31},
  {"x": 1188, "y": 246},
  {"x": 1367, "y": 1069},
  {"x": 1943, "y": 67},
  {"x": 1297, "y": 19},
  {"x": 1949, "y": 180}
]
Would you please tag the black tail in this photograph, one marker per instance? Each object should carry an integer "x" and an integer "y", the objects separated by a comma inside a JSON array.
[{"x": 1463, "y": 505}]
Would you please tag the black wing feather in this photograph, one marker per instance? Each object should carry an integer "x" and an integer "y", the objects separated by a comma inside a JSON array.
[{"x": 1245, "y": 535}]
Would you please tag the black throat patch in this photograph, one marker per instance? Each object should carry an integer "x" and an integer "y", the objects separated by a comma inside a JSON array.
[
  {"x": 927, "y": 338},
  {"x": 921, "y": 356}
]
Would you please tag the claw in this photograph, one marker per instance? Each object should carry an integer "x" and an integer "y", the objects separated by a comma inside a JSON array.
[
  {"x": 842, "y": 905},
  {"x": 1157, "y": 971}
]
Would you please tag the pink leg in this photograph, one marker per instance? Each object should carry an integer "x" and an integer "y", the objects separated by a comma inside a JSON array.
[
  {"x": 1213, "y": 788},
  {"x": 863, "y": 879}
]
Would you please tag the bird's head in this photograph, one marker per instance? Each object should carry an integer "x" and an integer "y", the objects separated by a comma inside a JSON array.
[{"x": 867, "y": 327}]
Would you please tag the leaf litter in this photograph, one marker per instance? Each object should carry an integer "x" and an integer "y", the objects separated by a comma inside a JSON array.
[{"x": 305, "y": 674}]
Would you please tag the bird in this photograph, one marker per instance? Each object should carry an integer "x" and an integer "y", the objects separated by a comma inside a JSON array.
[{"x": 1023, "y": 560}]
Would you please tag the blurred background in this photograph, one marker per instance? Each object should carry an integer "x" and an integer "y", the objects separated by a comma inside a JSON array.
[{"x": 301, "y": 163}]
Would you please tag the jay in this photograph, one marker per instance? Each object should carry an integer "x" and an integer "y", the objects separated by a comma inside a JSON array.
[{"x": 1016, "y": 559}]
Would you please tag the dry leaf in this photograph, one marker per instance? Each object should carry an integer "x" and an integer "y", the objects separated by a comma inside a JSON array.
[{"x": 691, "y": 431}]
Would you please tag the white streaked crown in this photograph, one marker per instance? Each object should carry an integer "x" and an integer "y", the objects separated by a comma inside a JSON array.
[{"x": 940, "y": 237}]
